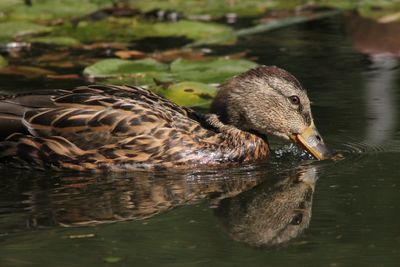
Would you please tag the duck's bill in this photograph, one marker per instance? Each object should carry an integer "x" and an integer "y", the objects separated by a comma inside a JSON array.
[{"x": 312, "y": 141}]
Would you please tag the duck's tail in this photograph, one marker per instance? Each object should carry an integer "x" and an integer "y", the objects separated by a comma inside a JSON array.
[
  {"x": 13, "y": 108},
  {"x": 27, "y": 151}
]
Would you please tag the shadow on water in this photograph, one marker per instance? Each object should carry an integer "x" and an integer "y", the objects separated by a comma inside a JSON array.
[{"x": 253, "y": 207}]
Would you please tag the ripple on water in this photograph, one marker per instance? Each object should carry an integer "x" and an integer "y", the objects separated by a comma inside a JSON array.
[
  {"x": 352, "y": 147},
  {"x": 349, "y": 149}
]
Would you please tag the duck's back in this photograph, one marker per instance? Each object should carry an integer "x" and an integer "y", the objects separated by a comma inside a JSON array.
[{"x": 100, "y": 127}]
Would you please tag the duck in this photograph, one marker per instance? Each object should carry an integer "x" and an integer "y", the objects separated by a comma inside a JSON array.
[{"x": 118, "y": 128}]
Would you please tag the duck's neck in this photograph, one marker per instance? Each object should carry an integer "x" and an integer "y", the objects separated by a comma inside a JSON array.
[{"x": 241, "y": 145}]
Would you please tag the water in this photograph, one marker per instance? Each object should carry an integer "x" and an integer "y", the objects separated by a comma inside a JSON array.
[{"x": 217, "y": 218}]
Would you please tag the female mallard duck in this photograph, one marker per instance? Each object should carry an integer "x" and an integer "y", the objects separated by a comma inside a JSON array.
[{"x": 119, "y": 128}]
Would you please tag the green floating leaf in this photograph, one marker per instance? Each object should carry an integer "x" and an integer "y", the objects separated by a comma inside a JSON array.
[
  {"x": 116, "y": 67},
  {"x": 214, "y": 8},
  {"x": 50, "y": 9},
  {"x": 3, "y": 62},
  {"x": 207, "y": 33},
  {"x": 210, "y": 70},
  {"x": 144, "y": 71},
  {"x": 112, "y": 259},
  {"x": 190, "y": 94},
  {"x": 55, "y": 40},
  {"x": 143, "y": 79},
  {"x": 385, "y": 11},
  {"x": 12, "y": 29},
  {"x": 126, "y": 30},
  {"x": 127, "y": 71},
  {"x": 98, "y": 31}
]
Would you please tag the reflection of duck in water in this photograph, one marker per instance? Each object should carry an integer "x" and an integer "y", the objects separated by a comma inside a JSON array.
[
  {"x": 381, "y": 42},
  {"x": 253, "y": 209},
  {"x": 122, "y": 128},
  {"x": 92, "y": 200},
  {"x": 272, "y": 213}
]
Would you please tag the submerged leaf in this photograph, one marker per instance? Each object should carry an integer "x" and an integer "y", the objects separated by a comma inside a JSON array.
[
  {"x": 210, "y": 70},
  {"x": 162, "y": 56},
  {"x": 190, "y": 94},
  {"x": 3, "y": 62},
  {"x": 173, "y": 54},
  {"x": 126, "y": 54}
]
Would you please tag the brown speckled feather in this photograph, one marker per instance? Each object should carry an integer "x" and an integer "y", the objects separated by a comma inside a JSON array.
[{"x": 116, "y": 128}]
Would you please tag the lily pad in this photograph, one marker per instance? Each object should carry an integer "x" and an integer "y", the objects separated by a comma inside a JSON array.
[
  {"x": 13, "y": 29},
  {"x": 127, "y": 30},
  {"x": 97, "y": 31},
  {"x": 7, "y": 4},
  {"x": 51, "y": 9},
  {"x": 112, "y": 259},
  {"x": 208, "y": 33},
  {"x": 142, "y": 79},
  {"x": 213, "y": 8},
  {"x": 385, "y": 11},
  {"x": 190, "y": 94},
  {"x": 116, "y": 67},
  {"x": 55, "y": 40},
  {"x": 126, "y": 71},
  {"x": 209, "y": 70}
]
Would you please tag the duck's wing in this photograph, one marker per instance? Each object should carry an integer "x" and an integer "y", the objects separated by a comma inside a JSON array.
[
  {"x": 93, "y": 116},
  {"x": 12, "y": 109}
]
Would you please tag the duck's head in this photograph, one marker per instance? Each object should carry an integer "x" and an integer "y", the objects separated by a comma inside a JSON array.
[{"x": 269, "y": 100}]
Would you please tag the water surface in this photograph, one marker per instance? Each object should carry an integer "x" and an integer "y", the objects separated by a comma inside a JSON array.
[{"x": 198, "y": 218}]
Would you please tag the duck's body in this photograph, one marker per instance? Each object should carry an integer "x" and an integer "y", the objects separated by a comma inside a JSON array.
[{"x": 117, "y": 128}]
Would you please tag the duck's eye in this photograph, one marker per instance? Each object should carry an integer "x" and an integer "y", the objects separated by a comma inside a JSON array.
[
  {"x": 297, "y": 219},
  {"x": 294, "y": 99}
]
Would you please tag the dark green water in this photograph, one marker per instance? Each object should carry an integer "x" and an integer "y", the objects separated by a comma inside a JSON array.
[{"x": 215, "y": 218}]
